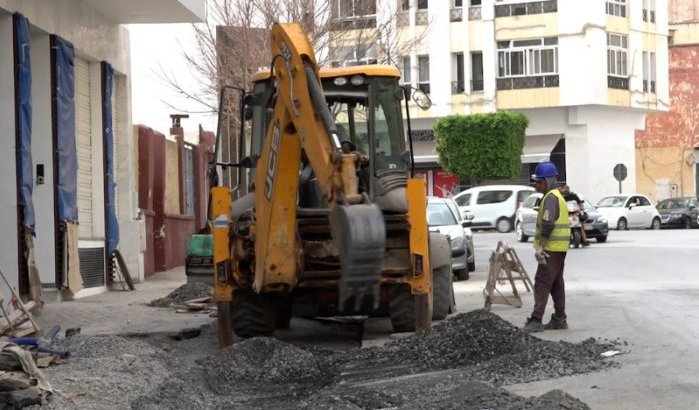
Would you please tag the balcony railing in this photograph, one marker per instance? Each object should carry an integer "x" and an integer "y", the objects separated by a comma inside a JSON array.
[
  {"x": 403, "y": 19},
  {"x": 456, "y": 14},
  {"x": 354, "y": 23},
  {"x": 421, "y": 18},
  {"x": 521, "y": 9},
  {"x": 474, "y": 13},
  {"x": 457, "y": 87},
  {"x": 652, "y": 87},
  {"x": 619, "y": 83},
  {"x": 519, "y": 83},
  {"x": 476, "y": 85}
]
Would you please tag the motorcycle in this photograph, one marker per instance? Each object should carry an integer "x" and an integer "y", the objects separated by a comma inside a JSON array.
[{"x": 576, "y": 225}]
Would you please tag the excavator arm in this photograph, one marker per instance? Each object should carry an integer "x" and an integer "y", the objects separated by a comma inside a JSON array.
[{"x": 302, "y": 121}]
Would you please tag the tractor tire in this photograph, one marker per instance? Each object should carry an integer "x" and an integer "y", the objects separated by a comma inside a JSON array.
[
  {"x": 441, "y": 290},
  {"x": 401, "y": 308},
  {"x": 462, "y": 274},
  {"x": 253, "y": 314}
]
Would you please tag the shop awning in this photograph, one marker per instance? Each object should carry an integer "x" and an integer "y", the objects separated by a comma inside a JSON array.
[{"x": 538, "y": 148}]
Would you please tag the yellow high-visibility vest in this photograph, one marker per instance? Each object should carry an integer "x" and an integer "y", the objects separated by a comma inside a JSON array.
[{"x": 559, "y": 241}]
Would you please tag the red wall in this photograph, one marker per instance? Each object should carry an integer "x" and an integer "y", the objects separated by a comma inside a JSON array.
[
  {"x": 176, "y": 232},
  {"x": 678, "y": 127}
]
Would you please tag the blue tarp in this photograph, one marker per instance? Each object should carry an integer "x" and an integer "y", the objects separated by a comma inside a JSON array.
[
  {"x": 108, "y": 135},
  {"x": 66, "y": 153},
  {"x": 23, "y": 104}
]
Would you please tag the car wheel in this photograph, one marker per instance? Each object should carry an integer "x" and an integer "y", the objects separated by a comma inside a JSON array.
[
  {"x": 472, "y": 266},
  {"x": 621, "y": 225},
  {"x": 602, "y": 239},
  {"x": 503, "y": 225},
  {"x": 461, "y": 274},
  {"x": 521, "y": 237},
  {"x": 655, "y": 225}
]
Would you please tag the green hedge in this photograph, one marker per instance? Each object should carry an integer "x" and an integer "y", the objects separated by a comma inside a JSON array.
[{"x": 481, "y": 146}]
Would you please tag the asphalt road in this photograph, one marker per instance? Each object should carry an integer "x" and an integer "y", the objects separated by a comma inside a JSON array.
[{"x": 641, "y": 287}]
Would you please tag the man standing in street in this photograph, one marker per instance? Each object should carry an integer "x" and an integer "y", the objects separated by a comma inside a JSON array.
[{"x": 551, "y": 246}]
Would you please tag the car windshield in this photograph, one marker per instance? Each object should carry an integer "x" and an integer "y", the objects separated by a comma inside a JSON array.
[
  {"x": 439, "y": 214},
  {"x": 612, "y": 201},
  {"x": 673, "y": 203}
]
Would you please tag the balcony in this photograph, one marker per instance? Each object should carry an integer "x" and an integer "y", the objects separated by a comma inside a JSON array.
[
  {"x": 650, "y": 89},
  {"x": 476, "y": 85},
  {"x": 520, "y": 83},
  {"x": 474, "y": 13},
  {"x": 457, "y": 87},
  {"x": 354, "y": 23},
  {"x": 456, "y": 14},
  {"x": 522, "y": 9},
  {"x": 151, "y": 11},
  {"x": 424, "y": 87},
  {"x": 619, "y": 83}
]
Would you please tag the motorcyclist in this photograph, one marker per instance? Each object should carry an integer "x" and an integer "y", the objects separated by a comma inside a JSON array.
[
  {"x": 572, "y": 196},
  {"x": 551, "y": 245}
]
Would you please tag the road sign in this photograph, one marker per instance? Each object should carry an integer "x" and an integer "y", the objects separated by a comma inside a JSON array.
[{"x": 620, "y": 172}]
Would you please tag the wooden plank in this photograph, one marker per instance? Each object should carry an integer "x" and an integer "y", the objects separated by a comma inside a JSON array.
[
  {"x": 205, "y": 299},
  {"x": 16, "y": 317}
]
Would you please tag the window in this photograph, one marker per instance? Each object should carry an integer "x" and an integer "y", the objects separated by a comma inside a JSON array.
[
  {"x": 353, "y": 55},
  {"x": 649, "y": 72},
  {"x": 617, "y": 50},
  {"x": 522, "y": 58},
  {"x": 652, "y": 72},
  {"x": 531, "y": 201},
  {"x": 477, "y": 71},
  {"x": 643, "y": 201},
  {"x": 457, "y": 3},
  {"x": 463, "y": 200},
  {"x": 649, "y": 11},
  {"x": 475, "y": 2},
  {"x": 405, "y": 5},
  {"x": 405, "y": 70},
  {"x": 422, "y": 4},
  {"x": 457, "y": 73},
  {"x": 616, "y": 8},
  {"x": 353, "y": 14},
  {"x": 493, "y": 197},
  {"x": 423, "y": 73}
]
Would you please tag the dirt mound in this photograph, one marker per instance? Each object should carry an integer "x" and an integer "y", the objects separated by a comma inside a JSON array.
[
  {"x": 184, "y": 293},
  {"x": 259, "y": 362}
]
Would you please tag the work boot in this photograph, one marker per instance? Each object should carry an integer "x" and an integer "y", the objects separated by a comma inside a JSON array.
[
  {"x": 556, "y": 323},
  {"x": 585, "y": 243},
  {"x": 533, "y": 325}
]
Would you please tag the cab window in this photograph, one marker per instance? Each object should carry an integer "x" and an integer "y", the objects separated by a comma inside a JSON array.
[{"x": 493, "y": 197}]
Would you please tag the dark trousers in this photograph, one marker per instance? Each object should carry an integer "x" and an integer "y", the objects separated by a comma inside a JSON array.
[{"x": 549, "y": 280}]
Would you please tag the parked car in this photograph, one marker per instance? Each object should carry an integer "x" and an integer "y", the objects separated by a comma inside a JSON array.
[
  {"x": 463, "y": 217},
  {"x": 493, "y": 206},
  {"x": 442, "y": 218},
  {"x": 680, "y": 212},
  {"x": 596, "y": 226},
  {"x": 629, "y": 211}
]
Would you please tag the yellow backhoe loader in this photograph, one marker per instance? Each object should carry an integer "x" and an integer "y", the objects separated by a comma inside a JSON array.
[{"x": 326, "y": 220}]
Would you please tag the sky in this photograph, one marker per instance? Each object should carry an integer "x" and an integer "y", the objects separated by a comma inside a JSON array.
[{"x": 156, "y": 46}]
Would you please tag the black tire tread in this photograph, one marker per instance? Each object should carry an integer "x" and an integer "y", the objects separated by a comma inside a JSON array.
[
  {"x": 441, "y": 292},
  {"x": 401, "y": 307},
  {"x": 252, "y": 314}
]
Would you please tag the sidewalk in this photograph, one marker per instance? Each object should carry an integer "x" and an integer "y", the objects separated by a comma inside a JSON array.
[{"x": 125, "y": 312}]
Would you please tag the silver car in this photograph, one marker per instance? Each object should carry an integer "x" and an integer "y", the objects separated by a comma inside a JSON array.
[{"x": 443, "y": 217}]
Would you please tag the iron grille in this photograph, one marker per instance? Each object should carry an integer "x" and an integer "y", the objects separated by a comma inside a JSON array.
[{"x": 92, "y": 266}]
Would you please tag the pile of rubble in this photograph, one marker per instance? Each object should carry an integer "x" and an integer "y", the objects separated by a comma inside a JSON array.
[
  {"x": 462, "y": 363},
  {"x": 190, "y": 297}
]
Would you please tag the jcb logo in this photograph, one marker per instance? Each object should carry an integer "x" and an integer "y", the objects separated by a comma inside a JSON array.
[{"x": 272, "y": 163}]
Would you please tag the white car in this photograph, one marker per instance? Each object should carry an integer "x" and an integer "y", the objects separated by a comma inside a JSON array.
[
  {"x": 443, "y": 217},
  {"x": 626, "y": 211},
  {"x": 493, "y": 206}
]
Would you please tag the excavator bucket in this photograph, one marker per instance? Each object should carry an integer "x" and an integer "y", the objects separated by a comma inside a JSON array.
[{"x": 359, "y": 232}]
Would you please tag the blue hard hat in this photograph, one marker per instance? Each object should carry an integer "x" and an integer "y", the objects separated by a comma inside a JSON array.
[{"x": 543, "y": 170}]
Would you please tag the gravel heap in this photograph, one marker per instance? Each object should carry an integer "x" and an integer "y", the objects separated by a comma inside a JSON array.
[
  {"x": 184, "y": 293},
  {"x": 462, "y": 363},
  {"x": 493, "y": 350}
]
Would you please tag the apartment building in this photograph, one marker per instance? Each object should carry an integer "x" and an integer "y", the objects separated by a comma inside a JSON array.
[
  {"x": 67, "y": 166},
  {"x": 667, "y": 151},
  {"x": 584, "y": 72}
]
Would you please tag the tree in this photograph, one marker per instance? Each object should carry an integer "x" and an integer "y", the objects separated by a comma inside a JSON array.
[{"x": 481, "y": 146}]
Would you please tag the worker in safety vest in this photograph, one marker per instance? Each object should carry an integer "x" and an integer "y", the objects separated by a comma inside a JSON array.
[{"x": 551, "y": 245}]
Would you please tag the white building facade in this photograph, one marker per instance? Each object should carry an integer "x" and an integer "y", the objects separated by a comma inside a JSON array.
[
  {"x": 584, "y": 72},
  {"x": 67, "y": 163}
]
